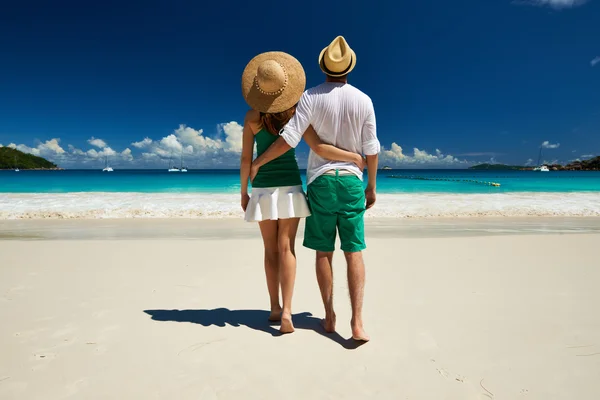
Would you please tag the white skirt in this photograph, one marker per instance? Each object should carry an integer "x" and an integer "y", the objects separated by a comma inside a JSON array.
[{"x": 277, "y": 203}]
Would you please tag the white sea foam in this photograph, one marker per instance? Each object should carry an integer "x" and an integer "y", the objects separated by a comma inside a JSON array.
[{"x": 198, "y": 205}]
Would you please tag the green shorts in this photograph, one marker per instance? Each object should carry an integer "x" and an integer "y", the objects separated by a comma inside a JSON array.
[{"x": 336, "y": 202}]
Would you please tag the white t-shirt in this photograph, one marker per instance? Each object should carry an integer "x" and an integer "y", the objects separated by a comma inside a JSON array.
[{"x": 342, "y": 116}]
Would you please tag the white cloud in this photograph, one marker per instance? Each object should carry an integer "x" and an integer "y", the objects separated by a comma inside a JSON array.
[
  {"x": 395, "y": 157},
  {"x": 547, "y": 145},
  {"x": 49, "y": 149},
  {"x": 588, "y": 156},
  {"x": 557, "y": 4},
  {"x": 143, "y": 143},
  {"x": 126, "y": 155},
  {"x": 171, "y": 143},
  {"x": 199, "y": 150},
  {"x": 233, "y": 136},
  {"x": 529, "y": 162},
  {"x": 595, "y": 61},
  {"x": 97, "y": 142}
]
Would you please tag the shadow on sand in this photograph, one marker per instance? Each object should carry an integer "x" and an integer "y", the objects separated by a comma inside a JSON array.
[{"x": 253, "y": 319}]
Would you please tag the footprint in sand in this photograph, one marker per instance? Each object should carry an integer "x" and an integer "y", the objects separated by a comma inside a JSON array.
[
  {"x": 443, "y": 372},
  {"x": 41, "y": 360},
  {"x": 74, "y": 387},
  {"x": 100, "y": 314},
  {"x": 14, "y": 292},
  {"x": 66, "y": 331}
]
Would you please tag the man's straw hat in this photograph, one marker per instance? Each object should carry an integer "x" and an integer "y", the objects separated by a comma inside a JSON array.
[
  {"x": 273, "y": 82},
  {"x": 337, "y": 59}
]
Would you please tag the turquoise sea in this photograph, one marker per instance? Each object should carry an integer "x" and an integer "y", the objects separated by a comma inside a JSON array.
[
  {"x": 227, "y": 181},
  {"x": 215, "y": 194}
]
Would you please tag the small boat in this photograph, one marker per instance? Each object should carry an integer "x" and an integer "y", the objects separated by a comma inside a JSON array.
[
  {"x": 541, "y": 168},
  {"x": 16, "y": 167},
  {"x": 106, "y": 166},
  {"x": 172, "y": 168},
  {"x": 181, "y": 167}
]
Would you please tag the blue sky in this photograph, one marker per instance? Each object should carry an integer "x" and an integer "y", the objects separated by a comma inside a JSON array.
[{"x": 453, "y": 82}]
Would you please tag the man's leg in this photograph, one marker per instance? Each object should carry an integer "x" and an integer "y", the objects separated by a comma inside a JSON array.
[
  {"x": 351, "y": 227},
  {"x": 325, "y": 279},
  {"x": 319, "y": 235},
  {"x": 356, "y": 286}
]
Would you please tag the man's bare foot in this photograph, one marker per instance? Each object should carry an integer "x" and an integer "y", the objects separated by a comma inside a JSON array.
[
  {"x": 329, "y": 323},
  {"x": 275, "y": 315},
  {"x": 358, "y": 332},
  {"x": 286, "y": 323}
]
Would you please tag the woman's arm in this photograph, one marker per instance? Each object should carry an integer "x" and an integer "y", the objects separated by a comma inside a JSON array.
[
  {"x": 246, "y": 158},
  {"x": 329, "y": 151},
  {"x": 326, "y": 151}
]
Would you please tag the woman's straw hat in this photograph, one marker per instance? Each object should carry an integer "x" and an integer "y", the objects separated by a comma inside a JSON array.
[
  {"x": 337, "y": 59},
  {"x": 273, "y": 82}
]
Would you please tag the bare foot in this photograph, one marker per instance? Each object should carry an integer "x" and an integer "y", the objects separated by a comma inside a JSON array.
[
  {"x": 275, "y": 315},
  {"x": 286, "y": 323},
  {"x": 358, "y": 332},
  {"x": 329, "y": 323}
]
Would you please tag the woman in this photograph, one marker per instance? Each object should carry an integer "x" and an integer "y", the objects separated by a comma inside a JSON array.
[{"x": 272, "y": 84}]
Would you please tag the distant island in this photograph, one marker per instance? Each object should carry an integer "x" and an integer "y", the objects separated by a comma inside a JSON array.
[
  {"x": 498, "y": 167},
  {"x": 12, "y": 159},
  {"x": 592, "y": 164}
]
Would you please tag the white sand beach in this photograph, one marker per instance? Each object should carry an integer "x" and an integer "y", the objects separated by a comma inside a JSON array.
[{"x": 452, "y": 316}]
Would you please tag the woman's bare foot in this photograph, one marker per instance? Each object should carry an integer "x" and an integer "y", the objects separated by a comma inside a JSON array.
[
  {"x": 275, "y": 315},
  {"x": 358, "y": 332},
  {"x": 286, "y": 323},
  {"x": 329, "y": 323}
]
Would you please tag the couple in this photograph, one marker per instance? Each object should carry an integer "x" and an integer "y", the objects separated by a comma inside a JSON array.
[{"x": 337, "y": 121}]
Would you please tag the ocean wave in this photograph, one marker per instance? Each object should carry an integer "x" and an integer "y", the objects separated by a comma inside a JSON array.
[{"x": 90, "y": 205}]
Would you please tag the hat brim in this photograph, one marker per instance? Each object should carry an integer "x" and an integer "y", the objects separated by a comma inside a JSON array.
[
  {"x": 336, "y": 74},
  {"x": 274, "y": 103}
]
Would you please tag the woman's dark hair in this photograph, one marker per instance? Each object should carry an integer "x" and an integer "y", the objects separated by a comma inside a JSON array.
[{"x": 273, "y": 123}]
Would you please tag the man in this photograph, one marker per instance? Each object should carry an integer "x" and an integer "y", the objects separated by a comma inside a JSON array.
[{"x": 344, "y": 117}]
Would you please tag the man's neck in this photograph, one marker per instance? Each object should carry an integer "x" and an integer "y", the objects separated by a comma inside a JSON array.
[{"x": 336, "y": 80}]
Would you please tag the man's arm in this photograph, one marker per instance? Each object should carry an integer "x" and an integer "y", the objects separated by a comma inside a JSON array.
[
  {"x": 371, "y": 148},
  {"x": 371, "y": 190}
]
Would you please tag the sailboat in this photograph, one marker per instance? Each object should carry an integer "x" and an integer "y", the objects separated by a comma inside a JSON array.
[
  {"x": 106, "y": 167},
  {"x": 172, "y": 168},
  {"x": 181, "y": 167},
  {"x": 541, "y": 168},
  {"x": 16, "y": 167}
]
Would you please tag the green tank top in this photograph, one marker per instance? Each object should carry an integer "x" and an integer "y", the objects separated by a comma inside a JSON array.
[{"x": 282, "y": 171}]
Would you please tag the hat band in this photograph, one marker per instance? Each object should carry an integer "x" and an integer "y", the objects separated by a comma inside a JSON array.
[{"x": 329, "y": 72}]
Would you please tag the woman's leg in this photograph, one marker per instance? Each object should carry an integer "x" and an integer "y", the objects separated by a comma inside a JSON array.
[
  {"x": 286, "y": 238},
  {"x": 268, "y": 230}
]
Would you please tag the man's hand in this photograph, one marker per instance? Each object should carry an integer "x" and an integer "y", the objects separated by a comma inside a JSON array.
[
  {"x": 253, "y": 172},
  {"x": 370, "y": 197},
  {"x": 244, "y": 201}
]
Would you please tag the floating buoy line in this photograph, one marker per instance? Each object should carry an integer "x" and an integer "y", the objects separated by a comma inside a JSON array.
[{"x": 422, "y": 178}]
